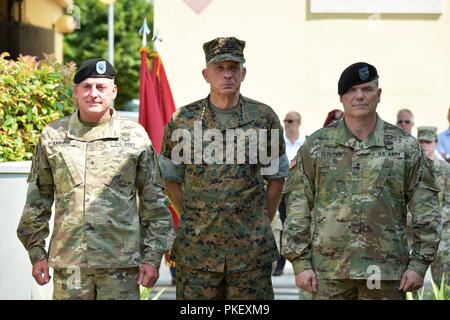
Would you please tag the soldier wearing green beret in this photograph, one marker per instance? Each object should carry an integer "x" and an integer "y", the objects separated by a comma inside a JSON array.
[
  {"x": 93, "y": 165},
  {"x": 224, "y": 247},
  {"x": 428, "y": 138},
  {"x": 347, "y": 200}
]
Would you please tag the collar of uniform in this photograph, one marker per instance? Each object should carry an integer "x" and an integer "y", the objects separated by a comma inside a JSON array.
[
  {"x": 78, "y": 131},
  {"x": 346, "y": 138},
  {"x": 238, "y": 118}
]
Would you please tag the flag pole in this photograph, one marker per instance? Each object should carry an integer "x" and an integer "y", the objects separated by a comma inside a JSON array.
[{"x": 145, "y": 31}]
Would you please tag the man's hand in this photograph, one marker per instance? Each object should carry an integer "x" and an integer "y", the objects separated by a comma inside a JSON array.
[
  {"x": 411, "y": 281},
  {"x": 40, "y": 272},
  {"x": 148, "y": 275},
  {"x": 307, "y": 281}
]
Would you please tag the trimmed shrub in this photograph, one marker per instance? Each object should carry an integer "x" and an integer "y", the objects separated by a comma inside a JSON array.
[{"x": 32, "y": 94}]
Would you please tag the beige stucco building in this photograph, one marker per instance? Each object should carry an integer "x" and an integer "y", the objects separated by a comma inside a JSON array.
[
  {"x": 297, "y": 49},
  {"x": 35, "y": 26}
]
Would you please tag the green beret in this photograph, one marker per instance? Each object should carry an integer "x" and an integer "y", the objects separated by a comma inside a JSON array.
[
  {"x": 225, "y": 48},
  {"x": 357, "y": 73},
  {"x": 94, "y": 68}
]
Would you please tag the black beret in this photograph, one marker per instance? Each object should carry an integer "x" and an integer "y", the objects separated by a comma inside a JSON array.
[
  {"x": 357, "y": 73},
  {"x": 94, "y": 68}
]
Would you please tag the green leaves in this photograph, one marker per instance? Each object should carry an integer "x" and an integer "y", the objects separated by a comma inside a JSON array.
[
  {"x": 436, "y": 293},
  {"x": 32, "y": 94},
  {"x": 442, "y": 292},
  {"x": 91, "y": 40},
  {"x": 146, "y": 292}
]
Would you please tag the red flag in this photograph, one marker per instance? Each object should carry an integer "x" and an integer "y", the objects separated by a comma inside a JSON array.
[{"x": 156, "y": 104}]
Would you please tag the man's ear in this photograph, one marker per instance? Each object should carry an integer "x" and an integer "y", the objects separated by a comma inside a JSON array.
[
  {"x": 205, "y": 75},
  {"x": 244, "y": 72},
  {"x": 115, "y": 91},
  {"x": 379, "y": 94}
]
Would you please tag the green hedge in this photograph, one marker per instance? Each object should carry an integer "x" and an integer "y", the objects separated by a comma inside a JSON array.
[{"x": 32, "y": 94}]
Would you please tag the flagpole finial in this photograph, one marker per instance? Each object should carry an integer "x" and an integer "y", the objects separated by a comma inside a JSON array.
[
  {"x": 144, "y": 30},
  {"x": 156, "y": 39}
]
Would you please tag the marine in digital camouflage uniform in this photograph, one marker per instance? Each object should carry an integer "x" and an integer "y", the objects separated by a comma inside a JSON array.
[
  {"x": 94, "y": 165},
  {"x": 428, "y": 137},
  {"x": 347, "y": 201},
  {"x": 224, "y": 247}
]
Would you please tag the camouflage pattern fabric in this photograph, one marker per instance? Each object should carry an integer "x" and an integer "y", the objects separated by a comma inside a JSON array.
[
  {"x": 95, "y": 284},
  {"x": 442, "y": 262},
  {"x": 94, "y": 175},
  {"x": 347, "y": 203},
  {"x": 338, "y": 289},
  {"x": 224, "y": 48},
  {"x": 253, "y": 284},
  {"x": 224, "y": 221}
]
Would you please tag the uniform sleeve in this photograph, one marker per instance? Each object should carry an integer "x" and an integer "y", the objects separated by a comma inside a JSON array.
[
  {"x": 153, "y": 211},
  {"x": 277, "y": 168},
  {"x": 170, "y": 170},
  {"x": 299, "y": 196},
  {"x": 445, "y": 209},
  {"x": 422, "y": 196},
  {"x": 33, "y": 227}
]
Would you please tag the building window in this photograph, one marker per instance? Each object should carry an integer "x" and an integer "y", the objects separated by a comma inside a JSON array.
[{"x": 377, "y": 6}]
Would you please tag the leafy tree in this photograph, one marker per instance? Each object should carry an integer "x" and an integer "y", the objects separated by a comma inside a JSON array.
[{"x": 91, "y": 40}]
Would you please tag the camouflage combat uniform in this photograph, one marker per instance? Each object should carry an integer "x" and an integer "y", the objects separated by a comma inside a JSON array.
[
  {"x": 442, "y": 262},
  {"x": 347, "y": 203},
  {"x": 224, "y": 226},
  {"x": 94, "y": 174}
]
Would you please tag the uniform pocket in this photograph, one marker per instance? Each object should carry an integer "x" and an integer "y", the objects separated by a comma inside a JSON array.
[
  {"x": 119, "y": 181},
  {"x": 331, "y": 179},
  {"x": 383, "y": 175},
  {"x": 66, "y": 174}
]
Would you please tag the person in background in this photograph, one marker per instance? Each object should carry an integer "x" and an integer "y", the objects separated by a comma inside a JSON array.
[
  {"x": 443, "y": 146},
  {"x": 293, "y": 140},
  {"x": 332, "y": 116},
  {"x": 405, "y": 120},
  {"x": 428, "y": 139}
]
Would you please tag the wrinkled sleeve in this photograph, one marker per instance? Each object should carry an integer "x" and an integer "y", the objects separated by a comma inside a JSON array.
[
  {"x": 278, "y": 167},
  {"x": 170, "y": 170},
  {"x": 299, "y": 196},
  {"x": 33, "y": 227},
  {"x": 153, "y": 211},
  {"x": 444, "y": 246},
  {"x": 422, "y": 197}
]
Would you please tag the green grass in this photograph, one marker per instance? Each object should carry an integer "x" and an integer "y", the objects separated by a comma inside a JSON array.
[{"x": 441, "y": 292}]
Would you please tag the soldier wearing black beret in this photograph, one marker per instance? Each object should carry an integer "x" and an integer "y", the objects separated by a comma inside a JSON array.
[
  {"x": 94, "y": 165},
  {"x": 353, "y": 184},
  {"x": 94, "y": 68}
]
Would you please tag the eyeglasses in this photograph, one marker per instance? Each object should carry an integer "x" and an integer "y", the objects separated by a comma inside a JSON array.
[
  {"x": 289, "y": 121},
  {"x": 404, "y": 121}
]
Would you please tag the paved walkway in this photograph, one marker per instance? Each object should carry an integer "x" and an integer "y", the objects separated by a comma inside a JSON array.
[{"x": 284, "y": 285}]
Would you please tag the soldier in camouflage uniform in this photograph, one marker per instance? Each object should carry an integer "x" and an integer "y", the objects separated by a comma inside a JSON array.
[
  {"x": 224, "y": 246},
  {"x": 427, "y": 137},
  {"x": 347, "y": 200},
  {"x": 93, "y": 165}
]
